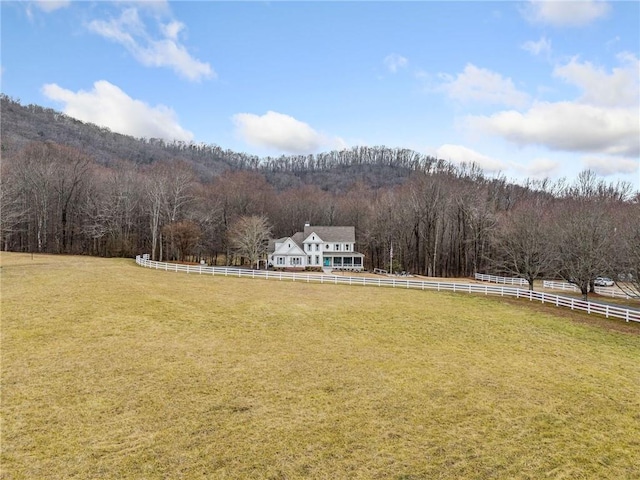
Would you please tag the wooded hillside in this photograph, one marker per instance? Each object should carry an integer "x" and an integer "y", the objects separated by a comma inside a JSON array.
[{"x": 72, "y": 187}]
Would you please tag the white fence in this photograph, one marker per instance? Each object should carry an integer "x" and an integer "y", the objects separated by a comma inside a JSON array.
[
  {"x": 559, "y": 301},
  {"x": 503, "y": 280},
  {"x": 566, "y": 286}
]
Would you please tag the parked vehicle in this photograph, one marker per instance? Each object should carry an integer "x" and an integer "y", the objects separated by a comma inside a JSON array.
[{"x": 603, "y": 282}]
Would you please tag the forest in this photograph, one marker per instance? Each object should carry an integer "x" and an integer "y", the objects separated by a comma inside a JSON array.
[{"x": 74, "y": 188}]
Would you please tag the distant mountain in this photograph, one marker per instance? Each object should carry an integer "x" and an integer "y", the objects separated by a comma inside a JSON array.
[
  {"x": 375, "y": 167},
  {"x": 23, "y": 124}
]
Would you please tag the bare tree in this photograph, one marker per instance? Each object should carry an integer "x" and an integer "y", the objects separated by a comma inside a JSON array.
[
  {"x": 13, "y": 208},
  {"x": 207, "y": 213},
  {"x": 249, "y": 237},
  {"x": 588, "y": 224},
  {"x": 113, "y": 209},
  {"x": 179, "y": 195},
  {"x": 583, "y": 242},
  {"x": 156, "y": 189},
  {"x": 521, "y": 244},
  {"x": 35, "y": 173},
  {"x": 94, "y": 209},
  {"x": 123, "y": 208},
  {"x": 626, "y": 267},
  {"x": 298, "y": 205},
  {"x": 185, "y": 234},
  {"x": 421, "y": 205},
  {"x": 71, "y": 175},
  {"x": 588, "y": 186},
  {"x": 169, "y": 189},
  {"x": 241, "y": 194}
]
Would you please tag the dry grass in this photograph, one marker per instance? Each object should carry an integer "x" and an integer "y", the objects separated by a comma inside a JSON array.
[{"x": 113, "y": 371}]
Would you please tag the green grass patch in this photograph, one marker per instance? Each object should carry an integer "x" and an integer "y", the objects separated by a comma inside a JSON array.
[{"x": 113, "y": 371}]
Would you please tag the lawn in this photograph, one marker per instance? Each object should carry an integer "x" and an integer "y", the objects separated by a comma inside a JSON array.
[{"x": 113, "y": 371}]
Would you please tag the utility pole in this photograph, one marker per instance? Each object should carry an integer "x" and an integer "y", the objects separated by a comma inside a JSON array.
[{"x": 391, "y": 259}]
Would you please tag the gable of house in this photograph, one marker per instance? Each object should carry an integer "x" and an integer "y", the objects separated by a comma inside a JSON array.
[{"x": 287, "y": 246}]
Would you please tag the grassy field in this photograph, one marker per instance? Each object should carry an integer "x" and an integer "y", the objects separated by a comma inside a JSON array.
[{"x": 113, "y": 371}]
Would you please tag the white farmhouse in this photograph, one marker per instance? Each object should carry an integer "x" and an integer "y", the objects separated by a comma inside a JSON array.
[{"x": 318, "y": 247}]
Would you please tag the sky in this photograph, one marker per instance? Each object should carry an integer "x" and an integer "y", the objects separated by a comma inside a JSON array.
[{"x": 532, "y": 89}]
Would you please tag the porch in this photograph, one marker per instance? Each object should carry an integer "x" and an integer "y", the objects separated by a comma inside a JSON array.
[{"x": 340, "y": 261}]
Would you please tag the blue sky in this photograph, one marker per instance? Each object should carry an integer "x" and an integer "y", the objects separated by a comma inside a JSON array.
[{"x": 526, "y": 89}]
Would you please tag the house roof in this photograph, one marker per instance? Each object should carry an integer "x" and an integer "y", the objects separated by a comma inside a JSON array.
[
  {"x": 272, "y": 243},
  {"x": 298, "y": 238},
  {"x": 330, "y": 234}
]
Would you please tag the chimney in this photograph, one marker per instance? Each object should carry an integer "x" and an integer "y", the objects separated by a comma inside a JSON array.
[{"x": 307, "y": 224}]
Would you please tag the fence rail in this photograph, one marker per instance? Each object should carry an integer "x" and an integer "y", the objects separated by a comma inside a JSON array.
[
  {"x": 502, "y": 280},
  {"x": 566, "y": 286},
  {"x": 608, "y": 311}
]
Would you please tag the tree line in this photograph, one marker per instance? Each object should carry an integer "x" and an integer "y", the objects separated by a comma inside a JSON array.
[{"x": 82, "y": 194}]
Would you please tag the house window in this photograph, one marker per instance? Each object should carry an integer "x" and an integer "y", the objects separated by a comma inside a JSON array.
[
  {"x": 308, "y": 248},
  {"x": 295, "y": 261},
  {"x": 309, "y": 260},
  {"x": 317, "y": 247},
  {"x": 280, "y": 260},
  {"x": 317, "y": 259},
  {"x": 357, "y": 261},
  {"x": 346, "y": 247},
  {"x": 289, "y": 246},
  {"x": 337, "y": 247},
  {"x": 337, "y": 261}
]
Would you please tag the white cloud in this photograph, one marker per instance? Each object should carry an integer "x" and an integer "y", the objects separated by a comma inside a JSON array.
[
  {"x": 108, "y": 106},
  {"x": 282, "y": 132},
  {"x": 156, "y": 7},
  {"x": 611, "y": 165},
  {"x": 482, "y": 85},
  {"x": 613, "y": 41},
  {"x": 565, "y": 13},
  {"x": 567, "y": 126},
  {"x": 604, "y": 120},
  {"x": 394, "y": 61},
  {"x": 52, "y": 5},
  {"x": 542, "y": 46},
  {"x": 459, "y": 154},
  {"x": 172, "y": 29},
  {"x": 130, "y": 31},
  {"x": 619, "y": 88},
  {"x": 538, "y": 168}
]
